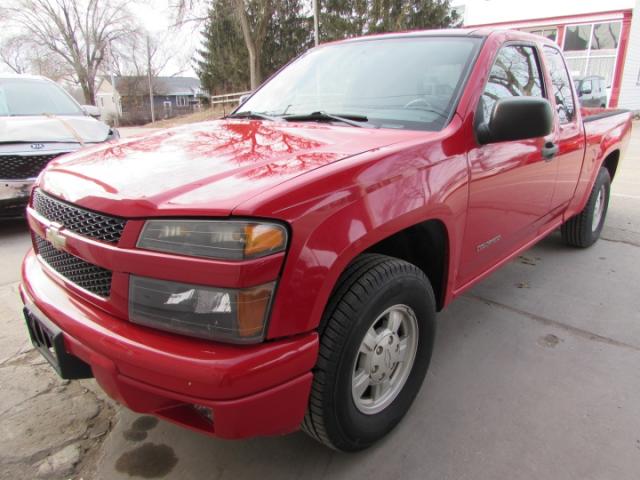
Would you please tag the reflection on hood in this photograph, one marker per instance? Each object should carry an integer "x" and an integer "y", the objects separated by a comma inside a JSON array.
[
  {"x": 52, "y": 129},
  {"x": 205, "y": 168}
]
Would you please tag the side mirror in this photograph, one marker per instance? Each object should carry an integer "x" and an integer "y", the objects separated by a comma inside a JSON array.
[
  {"x": 585, "y": 91},
  {"x": 244, "y": 98},
  {"x": 91, "y": 110},
  {"x": 517, "y": 118}
]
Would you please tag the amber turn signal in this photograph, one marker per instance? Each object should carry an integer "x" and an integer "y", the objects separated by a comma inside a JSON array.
[
  {"x": 253, "y": 304},
  {"x": 261, "y": 239}
]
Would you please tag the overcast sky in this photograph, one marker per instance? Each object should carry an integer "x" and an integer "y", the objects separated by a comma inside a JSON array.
[
  {"x": 493, "y": 11},
  {"x": 157, "y": 17}
]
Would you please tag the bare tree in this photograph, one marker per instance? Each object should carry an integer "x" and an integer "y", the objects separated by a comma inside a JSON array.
[
  {"x": 253, "y": 17},
  {"x": 254, "y": 33},
  {"x": 14, "y": 54},
  {"x": 134, "y": 57},
  {"x": 193, "y": 12},
  {"x": 22, "y": 55},
  {"x": 77, "y": 32}
]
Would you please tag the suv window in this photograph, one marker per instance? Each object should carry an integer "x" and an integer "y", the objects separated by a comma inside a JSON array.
[
  {"x": 515, "y": 73},
  {"x": 561, "y": 84}
]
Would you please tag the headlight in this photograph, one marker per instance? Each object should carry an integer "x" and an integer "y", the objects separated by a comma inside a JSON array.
[
  {"x": 223, "y": 239},
  {"x": 237, "y": 316}
]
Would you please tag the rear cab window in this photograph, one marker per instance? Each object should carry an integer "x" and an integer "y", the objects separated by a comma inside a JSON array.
[{"x": 560, "y": 84}]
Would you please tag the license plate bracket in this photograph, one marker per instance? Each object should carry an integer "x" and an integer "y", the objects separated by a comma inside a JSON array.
[{"x": 48, "y": 339}]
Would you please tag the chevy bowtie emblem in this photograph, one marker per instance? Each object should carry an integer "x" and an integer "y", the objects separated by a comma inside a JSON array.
[
  {"x": 57, "y": 239},
  {"x": 37, "y": 146}
]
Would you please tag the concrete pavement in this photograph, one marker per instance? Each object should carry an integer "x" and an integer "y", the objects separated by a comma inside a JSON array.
[{"x": 535, "y": 375}]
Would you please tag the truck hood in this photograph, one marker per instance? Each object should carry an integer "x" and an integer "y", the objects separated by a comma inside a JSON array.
[
  {"x": 203, "y": 169},
  {"x": 42, "y": 129}
]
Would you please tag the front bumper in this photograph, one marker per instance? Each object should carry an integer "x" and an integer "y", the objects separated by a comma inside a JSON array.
[
  {"x": 250, "y": 390},
  {"x": 14, "y": 197}
]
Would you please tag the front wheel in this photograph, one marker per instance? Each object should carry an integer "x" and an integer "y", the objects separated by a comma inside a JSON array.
[
  {"x": 584, "y": 229},
  {"x": 376, "y": 342}
]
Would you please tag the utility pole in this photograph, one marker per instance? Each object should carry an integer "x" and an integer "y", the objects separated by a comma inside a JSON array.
[
  {"x": 316, "y": 14},
  {"x": 153, "y": 113},
  {"x": 116, "y": 121}
]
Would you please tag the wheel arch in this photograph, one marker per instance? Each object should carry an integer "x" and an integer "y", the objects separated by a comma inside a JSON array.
[
  {"x": 425, "y": 245},
  {"x": 611, "y": 161}
]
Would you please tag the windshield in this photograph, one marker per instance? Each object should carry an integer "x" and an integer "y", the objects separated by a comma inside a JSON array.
[
  {"x": 406, "y": 83},
  {"x": 26, "y": 96}
]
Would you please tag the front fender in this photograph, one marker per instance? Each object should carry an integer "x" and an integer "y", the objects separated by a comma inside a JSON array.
[{"x": 382, "y": 197}]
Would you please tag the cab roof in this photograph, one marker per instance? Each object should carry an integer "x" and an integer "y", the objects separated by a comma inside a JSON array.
[{"x": 481, "y": 32}]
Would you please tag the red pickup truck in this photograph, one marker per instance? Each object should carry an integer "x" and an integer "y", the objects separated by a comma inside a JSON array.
[{"x": 282, "y": 267}]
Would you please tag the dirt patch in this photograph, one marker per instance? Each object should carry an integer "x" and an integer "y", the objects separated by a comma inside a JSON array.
[
  {"x": 549, "y": 341},
  {"x": 45, "y": 415},
  {"x": 202, "y": 116},
  {"x": 533, "y": 261}
]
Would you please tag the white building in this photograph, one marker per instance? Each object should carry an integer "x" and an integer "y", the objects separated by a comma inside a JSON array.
[{"x": 597, "y": 37}]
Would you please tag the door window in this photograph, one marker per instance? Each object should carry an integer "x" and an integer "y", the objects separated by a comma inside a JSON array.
[
  {"x": 561, "y": 84},
  {"x": 515, "y": 73}
]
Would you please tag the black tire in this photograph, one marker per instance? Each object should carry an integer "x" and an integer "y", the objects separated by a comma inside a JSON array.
[
  {"x": 371, "y": 284},
  {"x": 578, "y": 231}
]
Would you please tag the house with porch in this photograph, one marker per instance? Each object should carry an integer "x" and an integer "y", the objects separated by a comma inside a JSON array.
[{"x": 127, "y": 98}]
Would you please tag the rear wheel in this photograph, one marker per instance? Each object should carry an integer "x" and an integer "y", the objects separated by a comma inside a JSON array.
[
  {"x": 584, "y": 229},
  {"x": 376, "y": 342}
]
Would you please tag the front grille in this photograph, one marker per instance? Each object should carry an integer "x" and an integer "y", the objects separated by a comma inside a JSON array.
[
  {"x": 90, "y": 277},
  {"x": 19, "y": 167},
  {"x": 78, "y": 220}
]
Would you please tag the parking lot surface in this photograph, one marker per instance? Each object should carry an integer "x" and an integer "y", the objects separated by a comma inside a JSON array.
[{"x": 534, "y": 375}]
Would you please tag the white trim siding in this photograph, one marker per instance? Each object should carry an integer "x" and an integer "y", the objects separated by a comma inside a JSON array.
[{"x": 630, "y": 86}]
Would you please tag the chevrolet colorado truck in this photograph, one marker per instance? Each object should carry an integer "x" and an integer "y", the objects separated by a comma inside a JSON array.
[
  {"x": 282, "y": 268},
  {"x": 39, "y": 121}
]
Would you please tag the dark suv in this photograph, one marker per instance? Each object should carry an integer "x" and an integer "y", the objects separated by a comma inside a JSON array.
[{"x": 592, "y": 91}]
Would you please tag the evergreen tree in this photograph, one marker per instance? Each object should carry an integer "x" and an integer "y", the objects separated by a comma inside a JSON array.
[
  {"x": 223, "y": 66},
  {"x": 350, "y": 18},
  {"x": 290, "y": 33}
]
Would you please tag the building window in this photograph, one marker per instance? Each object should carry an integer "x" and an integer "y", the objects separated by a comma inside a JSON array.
[
  {"x": 591, "y": 49},
  {"x": 577, "y": 38},
  {"x": 181, "y": 101},
  {"x": 550, "y": 33}
]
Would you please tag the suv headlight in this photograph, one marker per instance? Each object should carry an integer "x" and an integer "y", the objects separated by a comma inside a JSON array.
[
  {"x": 222, "y": 239},
  {"x": 229, "y": 315}
]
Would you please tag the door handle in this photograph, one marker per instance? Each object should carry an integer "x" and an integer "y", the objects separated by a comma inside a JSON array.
[{"x": 549, "y": 150}]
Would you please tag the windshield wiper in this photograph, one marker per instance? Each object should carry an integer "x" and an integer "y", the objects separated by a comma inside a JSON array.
[
  {"x": 350, "y": 119},
  {"x": 249, "y": 114}
]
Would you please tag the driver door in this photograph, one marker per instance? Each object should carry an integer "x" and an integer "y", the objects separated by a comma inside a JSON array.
[{"x": 511, "y": 183}]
